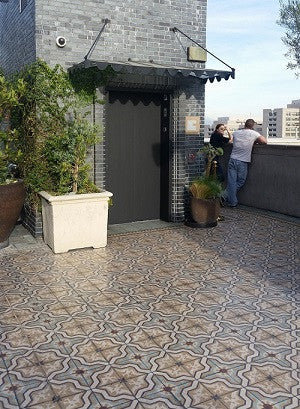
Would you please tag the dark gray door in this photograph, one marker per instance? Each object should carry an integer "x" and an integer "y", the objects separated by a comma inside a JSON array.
[{"x": 133, "y": 156}]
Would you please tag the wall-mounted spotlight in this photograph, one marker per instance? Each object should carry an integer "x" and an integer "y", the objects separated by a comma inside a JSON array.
[{"x": 61, "y": 41}]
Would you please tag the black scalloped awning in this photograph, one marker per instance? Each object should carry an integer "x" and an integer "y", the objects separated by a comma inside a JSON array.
[{"x": 149, "y": 68}]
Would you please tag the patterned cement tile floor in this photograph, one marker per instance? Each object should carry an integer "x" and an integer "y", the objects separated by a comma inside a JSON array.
[{"x": 168, "y": 318}]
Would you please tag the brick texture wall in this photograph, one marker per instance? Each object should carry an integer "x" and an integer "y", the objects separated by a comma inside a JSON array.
[
  {"x": 138, "y": 29},
  {"x": 32, "y": 220},
  {"x": 17, "y": 35}
]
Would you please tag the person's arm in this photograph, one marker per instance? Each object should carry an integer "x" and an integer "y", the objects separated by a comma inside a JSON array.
[
  {"x": 228, "y": 139},
  {"x": 229, "y": 135},
  {"x": 261, "y": 140}
]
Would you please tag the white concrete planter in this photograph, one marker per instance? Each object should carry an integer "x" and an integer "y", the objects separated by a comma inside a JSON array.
[{"x": 75, "y": 221}]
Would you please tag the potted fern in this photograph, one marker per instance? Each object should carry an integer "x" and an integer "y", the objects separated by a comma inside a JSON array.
[
  {"x": 12, "y": 189},
  {"x": 205, "y": 192}
]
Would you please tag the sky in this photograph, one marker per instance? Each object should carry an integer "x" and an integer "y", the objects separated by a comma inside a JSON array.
[{"x": 244, "y": 34}]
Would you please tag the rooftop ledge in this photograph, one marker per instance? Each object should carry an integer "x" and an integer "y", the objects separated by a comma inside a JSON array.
[
  {"x": 276, "y": 142},
  {"x": 273, "y": 179},
  {"x": 283, "y": 142}
]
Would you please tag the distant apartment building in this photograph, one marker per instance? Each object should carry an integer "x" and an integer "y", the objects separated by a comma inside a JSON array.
[
  {"x": 231, "y": 124},
  {"x": 258, "y": 127},
  {"x": 294, "y": 104},
  {"x": 282, "y": 122}
]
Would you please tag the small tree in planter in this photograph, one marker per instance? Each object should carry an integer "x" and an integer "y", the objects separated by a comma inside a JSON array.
[
  {"x": 56, "y": 139},
  {"x": 73, "y": 218},
  {"x": 50, "y": 109},
  {"x": 12, "y": 191},
  {"x": 206, "y": 191},
  {"x": 66, "y": 156}
]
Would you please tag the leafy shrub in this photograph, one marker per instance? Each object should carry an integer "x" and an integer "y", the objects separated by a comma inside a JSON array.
[
  {"x": 10, "y": 155},
  {"x": 206, "y": 187},
  {"x": 52, "y": 131}
]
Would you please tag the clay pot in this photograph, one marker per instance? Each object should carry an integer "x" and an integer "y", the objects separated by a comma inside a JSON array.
[
  {"x": 205, "y": 212},
  {"x": 12, "y": 198}
]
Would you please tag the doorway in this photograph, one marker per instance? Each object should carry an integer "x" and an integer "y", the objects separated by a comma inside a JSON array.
[{"x": 137, "y": 156}]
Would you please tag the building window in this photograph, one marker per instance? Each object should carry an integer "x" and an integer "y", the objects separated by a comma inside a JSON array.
[{"x": 23, "y": 4}]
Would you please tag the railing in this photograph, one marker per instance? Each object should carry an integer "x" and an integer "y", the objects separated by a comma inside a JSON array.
[{"x": 273, "y": 181}]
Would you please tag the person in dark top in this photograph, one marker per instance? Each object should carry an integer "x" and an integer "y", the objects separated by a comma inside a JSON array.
[{"x": 219, "y": 140}]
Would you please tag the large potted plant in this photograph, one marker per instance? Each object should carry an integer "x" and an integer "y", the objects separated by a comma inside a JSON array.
[
  {"x": 72, "y": 217},
  {"x": 12, "y": 189},
  {"x": 57, "y": 136},
  {"x": 205, "y": 192}
]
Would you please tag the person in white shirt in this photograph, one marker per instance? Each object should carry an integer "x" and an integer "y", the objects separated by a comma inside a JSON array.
[{"x": 243, "y": 141}]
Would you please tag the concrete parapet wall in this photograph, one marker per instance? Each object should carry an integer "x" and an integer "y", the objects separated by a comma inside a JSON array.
[{"x": 273, "y": 181}]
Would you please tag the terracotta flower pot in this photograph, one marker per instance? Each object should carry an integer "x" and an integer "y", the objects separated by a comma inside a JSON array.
[
  {"x": 205, "y": 212},
  {"x": 12, "y": 198}
]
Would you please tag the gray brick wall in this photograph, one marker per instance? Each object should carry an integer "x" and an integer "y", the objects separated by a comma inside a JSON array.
[
  {"x": 139, "y": 29},
  {"x": 186, "y": 165},
  {"x": 32, "y": 220},
  {"x": 99, "y": 153},
  {"x": 17, "y": 35}
]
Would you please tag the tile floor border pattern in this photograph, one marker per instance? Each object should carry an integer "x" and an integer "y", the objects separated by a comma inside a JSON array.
[{"x": 170, "y": 318}]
